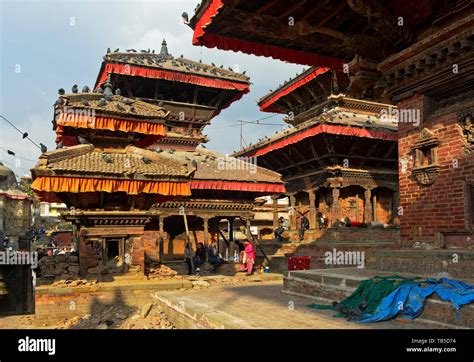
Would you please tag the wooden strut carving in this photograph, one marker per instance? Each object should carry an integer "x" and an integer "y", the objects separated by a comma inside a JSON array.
[{"x": 467, "y": 124}]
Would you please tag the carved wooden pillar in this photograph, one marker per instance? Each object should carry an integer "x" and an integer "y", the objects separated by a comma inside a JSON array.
[
  {"x": 247, "y": 226},
  {"x": 206, "y": 235},
  {"x": 231, "y": 230},
  {"x": 162, "y": 237},
  {"x": 275, "y": 212},
  {"x": 368, "y": 210},
  {"x": 312, "y": 209},
  {"x": 292, "y": 215},
  {"x": 336, "y": 206},
  {"x": 395, "y": 207}
]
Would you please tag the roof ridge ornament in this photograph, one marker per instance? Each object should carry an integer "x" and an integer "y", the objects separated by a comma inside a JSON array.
[
  {"x": 108, "y": 90},
  {"x": 164, "y": 54}
]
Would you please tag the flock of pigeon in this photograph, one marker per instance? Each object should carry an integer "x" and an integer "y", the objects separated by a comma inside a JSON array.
[{"x": 148, "y": 57}]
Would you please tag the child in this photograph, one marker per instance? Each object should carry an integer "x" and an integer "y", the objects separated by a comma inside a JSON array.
[{"x": 250, "y": 256}]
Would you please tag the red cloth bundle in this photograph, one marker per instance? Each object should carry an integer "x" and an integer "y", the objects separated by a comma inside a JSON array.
[{"x": 299, "y": 263}]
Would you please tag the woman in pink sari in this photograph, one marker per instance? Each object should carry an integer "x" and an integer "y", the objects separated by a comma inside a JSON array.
[{"x": 249, "y": 256}]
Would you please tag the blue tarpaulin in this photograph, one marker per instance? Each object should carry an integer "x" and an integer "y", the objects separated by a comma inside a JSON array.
[{"x": 408, "y": 299}]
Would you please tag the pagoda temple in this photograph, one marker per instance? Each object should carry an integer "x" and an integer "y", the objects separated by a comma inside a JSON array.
[
  {"x": 129, "y": 169},
  {"x": 338, "y": 157},
  {"x": 415, "y": 55}
]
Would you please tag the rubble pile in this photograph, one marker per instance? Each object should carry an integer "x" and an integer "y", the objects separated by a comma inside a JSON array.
[
  {"x": 58, "y": 266},
  {"x": 157, "y": 271}
]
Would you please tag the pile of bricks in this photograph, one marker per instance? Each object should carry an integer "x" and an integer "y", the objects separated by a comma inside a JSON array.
[{"x": 58, "y": 266}]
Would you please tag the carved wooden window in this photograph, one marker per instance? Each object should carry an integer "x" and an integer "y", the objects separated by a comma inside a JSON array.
[{"x": 425, "y": 149}]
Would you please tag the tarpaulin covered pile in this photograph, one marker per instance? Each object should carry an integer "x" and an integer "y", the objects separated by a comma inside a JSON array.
[{"x": 383, "y": 298}]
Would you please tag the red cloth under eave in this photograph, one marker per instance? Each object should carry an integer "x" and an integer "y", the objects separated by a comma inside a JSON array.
[
  {"x": 200, "y": 37},
  {"x": 237, "y": 186},
  {"x": 325, "y": 128},
  {"x": 132, "y": 70},
  {"x": 265, "y": 107}
]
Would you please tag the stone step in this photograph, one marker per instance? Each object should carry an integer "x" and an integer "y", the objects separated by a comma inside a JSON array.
[
  {"x": 456, "y": 262},
  {"x": 278, "y": 256},
  {"x": 316, "y": 248},
  {"x": 326, "y": 286}
]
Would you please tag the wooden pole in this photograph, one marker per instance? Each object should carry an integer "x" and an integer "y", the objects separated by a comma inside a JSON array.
[{"x": 183, "y": 212}]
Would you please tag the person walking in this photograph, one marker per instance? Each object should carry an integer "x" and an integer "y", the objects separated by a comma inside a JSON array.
[{"x": 249, "y": 256}]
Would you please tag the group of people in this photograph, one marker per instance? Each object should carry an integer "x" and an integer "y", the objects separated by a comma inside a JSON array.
[
  {"x": 284, "y": 225},
  {"x": 195, "y": 259}
]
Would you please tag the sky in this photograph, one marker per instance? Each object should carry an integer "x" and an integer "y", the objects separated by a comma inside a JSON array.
[{"x": 47, "y": 45}]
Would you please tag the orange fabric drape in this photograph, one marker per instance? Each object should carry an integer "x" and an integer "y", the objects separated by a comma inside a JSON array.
[
  {"x": 111, "y": 124},
  {"x": 324, "y": 128},
  {"x": 202, "y": 37},
  {"x": 131, "y": 187},
  {"x": 266, "y": 107},
  {"x": 238, "y": 186},
  {"x": 132, "y": 70}
]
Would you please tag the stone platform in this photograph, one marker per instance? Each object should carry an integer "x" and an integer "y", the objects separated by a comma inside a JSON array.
[{"x": 328, "y": 285}]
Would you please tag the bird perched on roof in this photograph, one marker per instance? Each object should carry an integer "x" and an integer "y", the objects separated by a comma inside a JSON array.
[
  {"x": 106, "y": 158},
  {"x": 181, "y": 56},
  {"x": 84, "y": 102},
  {"x": 82, "y": 140},
  {"x": 85, "y": 89},
  {"x": 11, "y": 152},
  {"x": 58, "y": 102},
  {"x": 194, "y": 163},
  {"x": 130, "y": 50},
  {"x": 132, "y": 109},
  {"x": 99, "y": 90},
  {"x": 43, "y": 148},
  {"x": 118, "y": 92},
  {"x": 230, "y": 69},
  {"x": 146, "y": 160},
  {"x": 158, "y": 150},
  {"x": 102, "y": 102},
  {"x": 59, "y": 145},
  {"x": 185, "y": 17},
  {"x": 25, "y": 134},
  {"x": 171, "y": 150},
  {"x": 75, "y": 88},
  {"x": 61, "y": 91},
  {"x": 213, "y": 64},
  {"x": 221, "y": 66},
  {"x": 203, "y": 146},
  {"x": 116, "y": 50},
  {"x": 244, "y": 72},
  {"x": 108, "y": 50}
]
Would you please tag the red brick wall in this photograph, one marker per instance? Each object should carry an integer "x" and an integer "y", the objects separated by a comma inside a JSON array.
[{"x": 442, "y": 206}]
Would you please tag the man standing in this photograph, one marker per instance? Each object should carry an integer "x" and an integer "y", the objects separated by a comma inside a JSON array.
[{"x": 304, "y": 225}]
